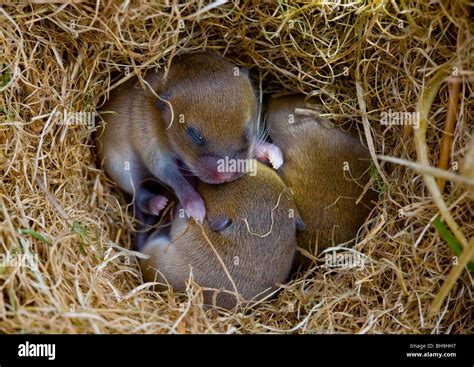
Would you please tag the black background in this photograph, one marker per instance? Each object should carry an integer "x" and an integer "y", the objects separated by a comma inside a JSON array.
[{"x": 241, "y": 350}]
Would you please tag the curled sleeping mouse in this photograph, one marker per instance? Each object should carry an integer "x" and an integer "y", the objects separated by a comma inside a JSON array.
[
  {"x": 206, "y": 112},
  {"x": 326, "y": 168},
  {"x": 251, "y": 224}
]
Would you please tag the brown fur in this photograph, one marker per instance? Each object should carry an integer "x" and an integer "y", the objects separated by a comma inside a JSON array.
[
  {"x": 140, "y": 141},
  {"x": 263, "y": 262},
  {"x": 205, "y": 91},
  {"x": 324, "y": 193}
]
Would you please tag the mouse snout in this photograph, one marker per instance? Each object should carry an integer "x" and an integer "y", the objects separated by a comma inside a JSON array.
[
  {"x": 217, "y": 170},
  {"x": 221, "y": 177}
]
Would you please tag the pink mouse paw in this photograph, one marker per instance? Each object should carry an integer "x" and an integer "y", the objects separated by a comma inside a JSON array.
[
  {"x": 157, "y": 203},
  {"x": 195, "y": 209},
  {"x": 265, "y": 151}
]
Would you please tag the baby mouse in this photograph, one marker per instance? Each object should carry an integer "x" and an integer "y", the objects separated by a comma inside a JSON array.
[
  {"x": 251, "y": 223},
  {"x": 326, "y": 168},
  {"x": 206, "y": 113}
]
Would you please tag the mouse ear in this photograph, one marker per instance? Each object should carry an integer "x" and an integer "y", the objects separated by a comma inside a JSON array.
[
  {"x": 162, "y": 102},
  {"x": 244, "y": 72},
  {"x": 300, "y": 226}
]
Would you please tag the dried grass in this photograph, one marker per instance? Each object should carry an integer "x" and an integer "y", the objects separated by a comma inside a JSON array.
[{"x": 59, "y": 56}]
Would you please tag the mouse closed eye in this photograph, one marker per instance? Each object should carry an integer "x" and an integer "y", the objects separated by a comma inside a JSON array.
[
  {"x": 196, "y": 136},
  {"x": 219, "y": 223}
]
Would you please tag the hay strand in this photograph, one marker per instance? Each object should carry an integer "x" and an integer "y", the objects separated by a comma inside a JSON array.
[{"x": 356, "y": 61}]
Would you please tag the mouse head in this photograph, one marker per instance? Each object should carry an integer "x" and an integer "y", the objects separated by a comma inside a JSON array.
[
  {"x": 252, "y": 223},
  {"x": 250, "y": 227},
  {"x": 209, "y": 112}
]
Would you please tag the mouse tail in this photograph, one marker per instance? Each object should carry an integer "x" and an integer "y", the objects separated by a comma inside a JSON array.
[{"x": 145, "y": 228}]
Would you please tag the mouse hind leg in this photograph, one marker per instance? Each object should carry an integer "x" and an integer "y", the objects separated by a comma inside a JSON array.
[
  {"x": 149, "y": 202},
  {"x": 145, "y": 228},
  {"x": 130, "y": 173}
]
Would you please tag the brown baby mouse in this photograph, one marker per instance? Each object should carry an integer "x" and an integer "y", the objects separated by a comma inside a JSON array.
[
  {"x": 326, "y": 168},
  {"x": 248, "y": 240},
  {"x": 204, "y": 111}
]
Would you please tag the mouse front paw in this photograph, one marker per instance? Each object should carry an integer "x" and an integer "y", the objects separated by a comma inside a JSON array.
[
  {"x": 265, "y": 151},
  {"x": 195, "y": 208},
  {"x": 156, "y": 204}
]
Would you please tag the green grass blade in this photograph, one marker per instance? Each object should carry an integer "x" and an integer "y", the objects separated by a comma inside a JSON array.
[
  {"x": 36, "y": 235},
  {"x": 449, "y": 238}
]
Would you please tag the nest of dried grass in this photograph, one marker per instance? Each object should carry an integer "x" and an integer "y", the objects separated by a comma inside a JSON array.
[{"x": 357, "y": 58}]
